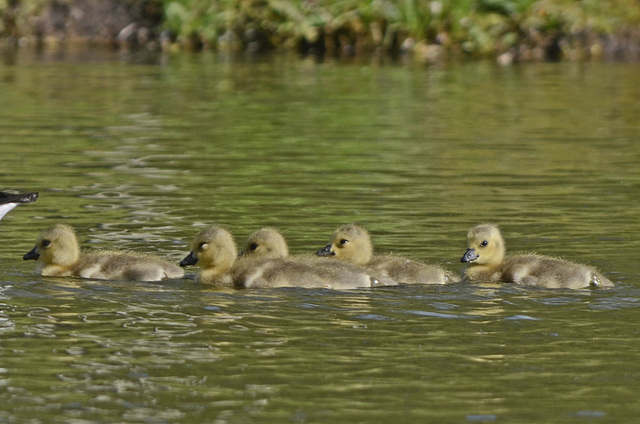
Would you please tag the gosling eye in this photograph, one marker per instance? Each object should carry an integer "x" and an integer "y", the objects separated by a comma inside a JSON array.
[
  {"x": 484, "y": 243},
  {"x": 46, "y": 243},
  {"x": 203, "y": 246},
  {"x": 343, "y": 242},
  {"x": 253, "y": 246}
]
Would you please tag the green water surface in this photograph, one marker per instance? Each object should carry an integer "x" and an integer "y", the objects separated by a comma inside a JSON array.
[{"x": 138, "y": 153}]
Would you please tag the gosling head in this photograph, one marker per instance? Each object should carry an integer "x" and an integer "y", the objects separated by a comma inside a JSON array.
[
  {"x": 213, "y": 247},
  {"x": 349, "y": 243},
  {"x": 265, "y": 243},
  {"x": 57, "y": 245},
  {"x": 485, "y": 245}
]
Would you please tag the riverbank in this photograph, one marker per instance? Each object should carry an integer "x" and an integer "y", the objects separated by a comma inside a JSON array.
[{"x": 428, "y": 31}]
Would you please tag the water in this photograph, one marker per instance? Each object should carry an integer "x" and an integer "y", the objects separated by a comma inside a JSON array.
[{"x": 138, "y": 153}]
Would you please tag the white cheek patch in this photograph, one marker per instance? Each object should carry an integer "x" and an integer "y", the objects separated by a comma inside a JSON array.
[{"x": 4, "y": 209}]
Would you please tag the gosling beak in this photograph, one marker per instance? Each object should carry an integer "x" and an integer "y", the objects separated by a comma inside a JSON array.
[
  {"x": 469, "y": 256},
  {"x": 31, "y": 254},
  {"x": 325, "y": 251},
  {"x": 189, "y": 260}
]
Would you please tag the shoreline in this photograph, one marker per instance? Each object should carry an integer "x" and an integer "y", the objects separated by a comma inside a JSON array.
[{"x": 428, "y": 32}]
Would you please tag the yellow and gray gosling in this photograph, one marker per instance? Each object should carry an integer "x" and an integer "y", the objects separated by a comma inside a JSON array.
[
  {"x": 58, "y": 249},
  {"x": 488, "y": 262},
  {"x": 352, "y": 243}
]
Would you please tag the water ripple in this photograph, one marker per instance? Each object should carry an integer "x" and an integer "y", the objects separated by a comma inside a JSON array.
[{"x": 441, "y": 315}]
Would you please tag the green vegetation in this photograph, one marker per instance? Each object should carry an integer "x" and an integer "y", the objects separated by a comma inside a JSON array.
[
  {"x": 526, "y": 29},
  {"x": 430, "y": 29}
]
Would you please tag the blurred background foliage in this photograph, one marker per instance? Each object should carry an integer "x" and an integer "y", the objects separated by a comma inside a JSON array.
[{"x": 428, "y": 29}]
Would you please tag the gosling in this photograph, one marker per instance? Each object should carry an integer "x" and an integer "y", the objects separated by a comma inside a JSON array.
[
  {"x": 488, "y": 263},
  {"x": 58, "y": 249},
  {"x": 352, "y": 243}
]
